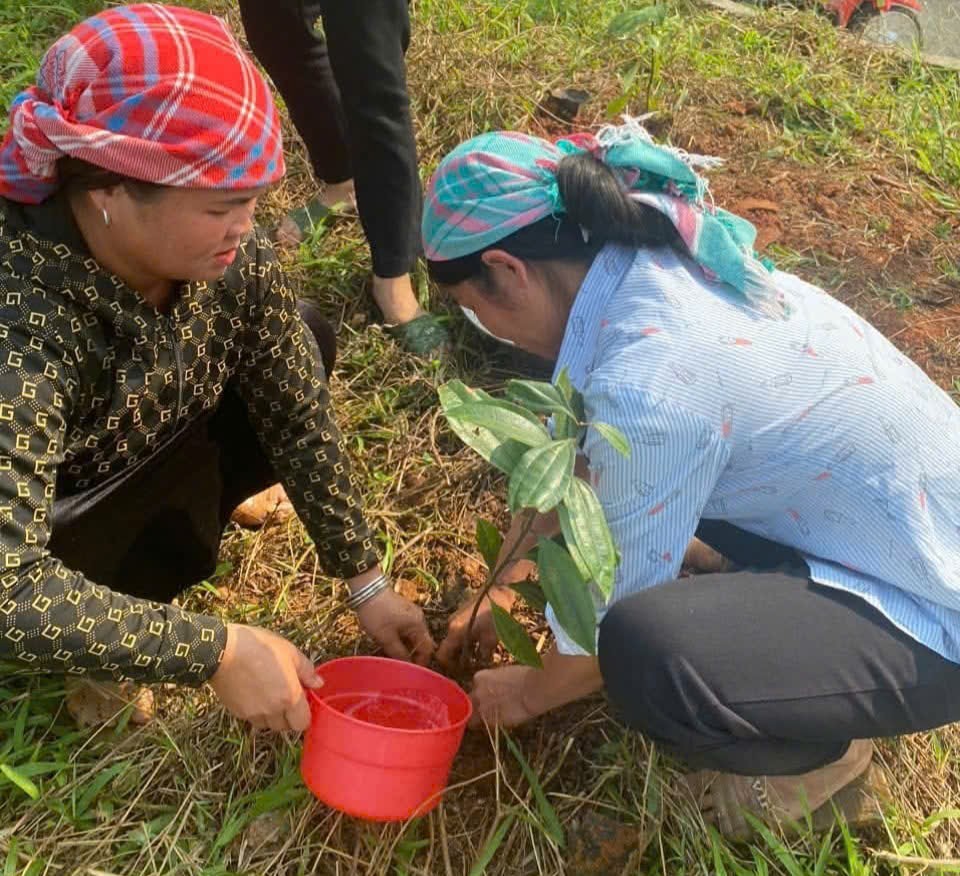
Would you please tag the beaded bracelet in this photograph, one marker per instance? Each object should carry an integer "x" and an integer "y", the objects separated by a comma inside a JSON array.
[{"x": 367, "y": 592}]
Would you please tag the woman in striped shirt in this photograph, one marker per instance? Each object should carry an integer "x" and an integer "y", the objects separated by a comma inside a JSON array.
[{"x": 765, "y": 418}]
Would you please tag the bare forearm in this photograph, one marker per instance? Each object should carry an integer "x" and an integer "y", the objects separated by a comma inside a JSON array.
[
  {"x": 563, "y": 679},
  {"x": 519, "y": 544}
]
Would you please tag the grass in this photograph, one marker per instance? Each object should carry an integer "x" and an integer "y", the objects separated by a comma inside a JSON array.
[{"x": 859, "y": 151}]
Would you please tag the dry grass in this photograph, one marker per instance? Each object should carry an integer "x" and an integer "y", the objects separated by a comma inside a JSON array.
[{"x": 795, "y": 109}]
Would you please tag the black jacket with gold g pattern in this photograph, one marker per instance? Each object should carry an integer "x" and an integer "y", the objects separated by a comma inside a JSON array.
[{"x": 92, "y": 380}]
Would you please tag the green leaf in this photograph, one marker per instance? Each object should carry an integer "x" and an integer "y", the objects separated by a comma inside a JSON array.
[
  {"x": 491, "y": 845},
  {"x": 489, "y": 542},
  {"x": 571, "y": 546},
  {"x": 574, "y": 398},
  {"x": 538, "y": 396},
  {"x": 576, "y": 402},
  {"x": 504, "y": 420},
  {"x": 99, "y": 782},
  {"x": 617, "y": 106},
  {"x": 564, "y": 386},
  {"x": 233, "y": 825},
  {"x": 503, "y": 454},
  {"x": 532, "y": 594},
  {"x": 626, "y": 23},
  {"x": 507, "y": 455},
  {"x": 614, "y": 437},
  {"x": 20, "y": 725},
  {"x": 454, "y": 394},
  {"x": 542, "y": 477},
  {"x": 565, "y": 426},
  {"x": 551, "y": 824},
  {"x": 514, "y": 637},
  {"x": 587, "y": 535},
  {"x": 20, "y": 780},
  {"x": 568, "y": 595},
  {"x": 10, "y": 867},
  {"x": 40, "y": 768}
]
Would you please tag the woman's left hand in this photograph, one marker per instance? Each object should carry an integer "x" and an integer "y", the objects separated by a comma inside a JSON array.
[
  {"x": 502, "y": 696},
  {"x": 398, "y": 626}
]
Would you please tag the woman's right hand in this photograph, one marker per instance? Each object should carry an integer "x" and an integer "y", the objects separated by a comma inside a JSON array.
[
  {"x": 261, "y": 679},
  {"x": 484, "y": 633}
]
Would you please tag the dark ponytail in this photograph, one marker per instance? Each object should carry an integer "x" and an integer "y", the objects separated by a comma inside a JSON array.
[
  {"x": 597, "y": 211},
  {"x": 595, "y": 200}
]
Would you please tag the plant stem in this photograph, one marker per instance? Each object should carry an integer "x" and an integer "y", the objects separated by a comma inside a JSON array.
[{"x": 531, "y": 515}]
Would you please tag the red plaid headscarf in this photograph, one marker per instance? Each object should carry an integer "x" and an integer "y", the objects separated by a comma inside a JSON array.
[{"x": 158, "y": 93}]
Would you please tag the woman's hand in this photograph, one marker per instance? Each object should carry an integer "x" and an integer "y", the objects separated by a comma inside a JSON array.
[
  {"x": 484, "y": 634},
  {"x": 515, "y": 544},
  {"x": 261, "y": 679},
  {"x": 514, "y": 694},
  {"x": 502, "y": 696},
  {"x": 398, "y": 626}
]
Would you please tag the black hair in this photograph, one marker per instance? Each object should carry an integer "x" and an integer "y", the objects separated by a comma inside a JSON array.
[
  {"x": 597, "y": 211},
  {"x": 76, "y": 175}
]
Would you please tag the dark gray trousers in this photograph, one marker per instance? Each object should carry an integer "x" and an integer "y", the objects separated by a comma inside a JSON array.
[{"x": 762, "y": 671}]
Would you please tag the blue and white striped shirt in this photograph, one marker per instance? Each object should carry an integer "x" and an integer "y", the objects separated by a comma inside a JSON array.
[{"x": 814, "y": 432}]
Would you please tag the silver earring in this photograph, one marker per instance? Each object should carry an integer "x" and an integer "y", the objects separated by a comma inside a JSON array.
[{"x": 106, "y": 217}]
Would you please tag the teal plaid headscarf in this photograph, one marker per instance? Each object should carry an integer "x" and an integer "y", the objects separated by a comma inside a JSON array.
[{"x": 497, "y": 183}]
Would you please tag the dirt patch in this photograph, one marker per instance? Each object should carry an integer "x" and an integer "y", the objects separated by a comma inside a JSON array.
[{"x": 603, "y": 846}]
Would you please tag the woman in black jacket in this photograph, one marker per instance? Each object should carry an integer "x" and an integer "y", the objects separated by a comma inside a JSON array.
[{"x": 156, "y": 370}]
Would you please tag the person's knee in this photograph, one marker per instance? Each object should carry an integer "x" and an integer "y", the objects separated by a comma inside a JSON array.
[
  {"x": 634, "y": 654},
  {"x": 648, "y": 660},
  {"x": 323, "y": 333}
]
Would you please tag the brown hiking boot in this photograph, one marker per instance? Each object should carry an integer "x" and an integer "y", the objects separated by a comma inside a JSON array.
[
  {"x": 94, "y": 703},
  {"x": 779, "y": 800},
  {"x": 859, "y": 803},
  {"x": 272, "y": 504}
]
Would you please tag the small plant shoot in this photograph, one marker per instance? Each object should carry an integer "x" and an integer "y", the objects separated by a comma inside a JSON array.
[{"x": 509, "y": 432}]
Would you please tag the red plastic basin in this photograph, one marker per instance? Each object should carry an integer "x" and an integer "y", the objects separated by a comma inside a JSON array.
[{"x": 383, "y": 737}]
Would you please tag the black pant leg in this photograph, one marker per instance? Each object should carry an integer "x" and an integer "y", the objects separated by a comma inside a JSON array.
[
  {"x": 767, "y": 673},
  {"x": 283, "y": 36},
  {"x": 153, "y": 531},
  {"x": 367, "y": 44}
]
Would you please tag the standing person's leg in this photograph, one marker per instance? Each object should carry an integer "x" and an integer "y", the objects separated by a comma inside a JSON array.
[
  {"x": 367, "y": 47},
  {"x": 769, "y": 675},
  {"x": 283, "y": 36},
  {"x": 367, "y": 51}
]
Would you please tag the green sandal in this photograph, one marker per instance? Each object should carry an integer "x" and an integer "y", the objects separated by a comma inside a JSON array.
[
  {"x": 423, "y": 336},
  {"x": 299, "y": 224}
]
